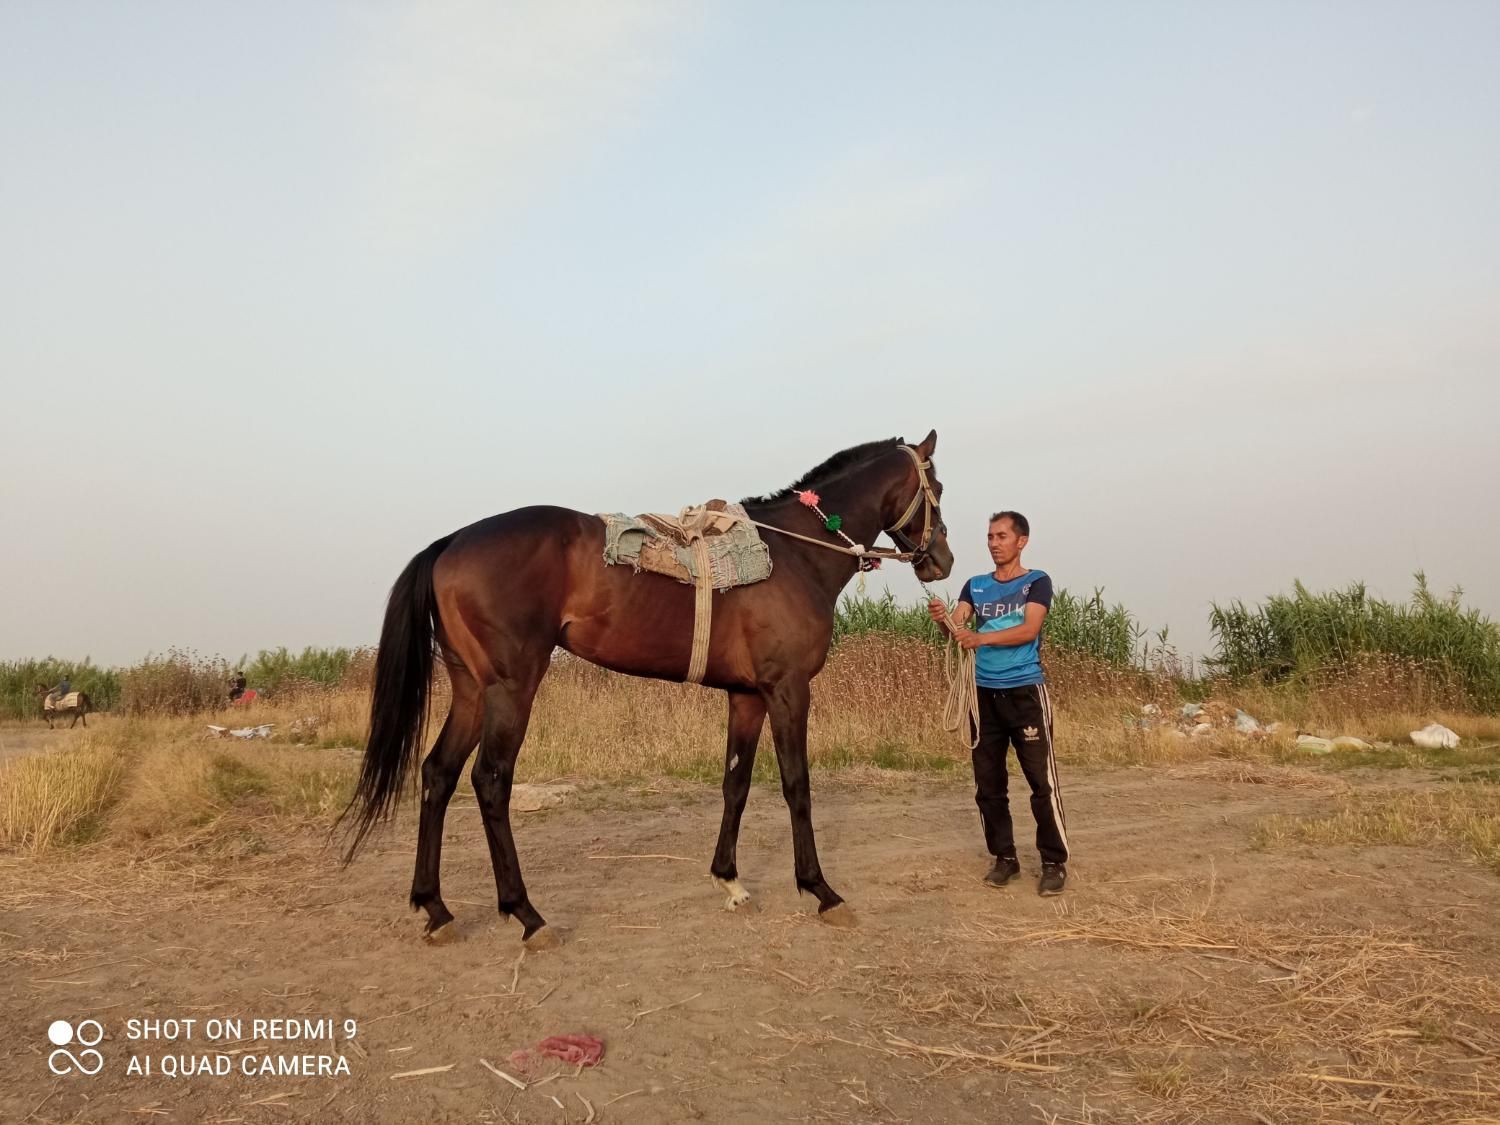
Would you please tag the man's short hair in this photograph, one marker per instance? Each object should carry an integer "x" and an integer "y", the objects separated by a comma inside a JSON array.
[{"x": 1017, "y": 520}]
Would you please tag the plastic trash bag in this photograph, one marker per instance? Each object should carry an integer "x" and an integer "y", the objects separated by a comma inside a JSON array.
[{"x": 1434, "y": 736}]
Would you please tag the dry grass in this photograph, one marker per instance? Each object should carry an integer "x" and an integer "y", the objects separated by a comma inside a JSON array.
[
  {"x": 1464, "y": 817},
  {"x": 875, "y": 715},
  {"x": 1242, "y": 772},
  {"x": 1189, "y": 1015},
  {"x": 1246, "y": 1020},
  {"x": 1357, "y": 702},
  {"x": 146, "y": 798},
  {"x": 57, "y": 799}
]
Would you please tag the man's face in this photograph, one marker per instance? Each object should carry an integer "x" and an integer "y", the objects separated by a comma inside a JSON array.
[{"x": 1005, "y": 544}]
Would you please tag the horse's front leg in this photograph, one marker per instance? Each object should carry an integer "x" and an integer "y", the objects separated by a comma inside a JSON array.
[
  {"x": 747, "y": 715},
  {"x": 787, "y": 703}
]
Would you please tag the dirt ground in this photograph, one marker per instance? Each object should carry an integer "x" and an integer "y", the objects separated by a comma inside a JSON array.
[
  {"x": 951, "y": 1002},
  {"x": 16, "y": 739}
]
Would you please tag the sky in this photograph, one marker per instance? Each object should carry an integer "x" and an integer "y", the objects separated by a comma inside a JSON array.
[{"x": 1210, "y": 292}]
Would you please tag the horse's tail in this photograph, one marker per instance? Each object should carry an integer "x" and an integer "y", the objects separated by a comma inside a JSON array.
[{"x": 398, "y": 705}]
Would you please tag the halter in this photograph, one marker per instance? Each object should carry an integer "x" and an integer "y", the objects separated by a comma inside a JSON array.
[
  {"x": 869, "y": 557},
  {"x": 924, "y": 495}
]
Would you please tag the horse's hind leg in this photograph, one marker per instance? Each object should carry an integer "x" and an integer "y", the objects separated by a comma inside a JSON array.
[
  {"x": 747, "y": 715},
  {"x": 440, "y": 770},
  {"x": 507, "y": 710}
]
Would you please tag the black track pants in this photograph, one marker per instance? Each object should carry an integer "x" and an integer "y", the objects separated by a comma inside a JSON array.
[{"x": 1019, "y": 717}]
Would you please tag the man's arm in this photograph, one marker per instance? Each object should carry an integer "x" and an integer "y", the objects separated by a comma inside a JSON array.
[{"x": 960, "y": 616}]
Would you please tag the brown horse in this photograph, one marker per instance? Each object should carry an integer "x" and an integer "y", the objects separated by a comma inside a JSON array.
[
  {"x": 495, "y": 598},
  {"x": 52, "y": 707}
]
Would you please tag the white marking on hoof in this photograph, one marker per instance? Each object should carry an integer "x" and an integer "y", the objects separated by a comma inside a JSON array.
[
  {"x": 446, "y": 934},
  {"x": 735, "y": 896},
  {"x": 544, "y": 939},
  {"x": 734, "y": 761},
  {"x": 841, "y": 916}
]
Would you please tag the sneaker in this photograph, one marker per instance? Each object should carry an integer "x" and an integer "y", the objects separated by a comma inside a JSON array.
[
  {"x": 1054, "y": 875},
  {"x": 1006, "y": 868}
]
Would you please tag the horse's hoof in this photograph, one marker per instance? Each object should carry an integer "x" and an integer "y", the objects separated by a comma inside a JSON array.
[
  {"x": 544, "y": 939},
  {"x": 446, "y": 934},
  {"x": 841, "y": 916},
  {"x": 735, "y": 896}
]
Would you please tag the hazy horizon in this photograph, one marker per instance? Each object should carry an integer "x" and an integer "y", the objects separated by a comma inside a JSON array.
[{"x": 1211, "y": 293}]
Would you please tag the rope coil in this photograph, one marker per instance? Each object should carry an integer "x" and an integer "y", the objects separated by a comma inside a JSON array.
[
  {"x": 963, "y": 693},
  {"x": 963, "y": 688}
]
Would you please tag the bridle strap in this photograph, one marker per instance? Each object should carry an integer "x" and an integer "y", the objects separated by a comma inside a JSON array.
[{"x": 923, "y": 493}]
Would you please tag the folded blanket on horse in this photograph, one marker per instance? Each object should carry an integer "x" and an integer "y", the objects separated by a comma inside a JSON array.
[
  {"x": 662, "y": 544},
  {"x": 68, "y": 702}
]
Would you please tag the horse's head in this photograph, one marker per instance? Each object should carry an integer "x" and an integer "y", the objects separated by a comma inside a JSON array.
[{"x": 913, "y": 518}]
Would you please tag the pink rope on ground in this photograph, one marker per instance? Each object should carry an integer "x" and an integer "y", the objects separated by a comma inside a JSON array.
[{"x": 575, "y": 1050}]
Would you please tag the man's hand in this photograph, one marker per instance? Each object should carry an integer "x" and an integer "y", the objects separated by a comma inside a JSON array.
[
  {"x": 937, "y": 611},
  {"x": 969, "y": 640}
]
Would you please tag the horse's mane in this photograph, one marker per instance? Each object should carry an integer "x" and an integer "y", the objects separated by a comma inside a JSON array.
[{"x": 831, "y": 467}]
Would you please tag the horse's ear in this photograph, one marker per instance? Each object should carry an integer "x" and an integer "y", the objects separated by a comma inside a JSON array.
[{"x": 928, "y": 446}]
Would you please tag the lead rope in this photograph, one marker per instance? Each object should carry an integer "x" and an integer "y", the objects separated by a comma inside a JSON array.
[{"x": 963, "y": 689}]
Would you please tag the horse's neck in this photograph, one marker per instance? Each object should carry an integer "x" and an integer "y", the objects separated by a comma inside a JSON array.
[{"x": 857, "y": 504}]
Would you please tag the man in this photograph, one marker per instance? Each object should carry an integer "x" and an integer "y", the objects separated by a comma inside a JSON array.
[
  {"x": 60, "y": 692},
  {"x": 1010, "y": 606}
]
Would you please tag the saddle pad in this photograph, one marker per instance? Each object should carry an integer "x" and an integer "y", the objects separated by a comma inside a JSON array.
[{"x": 737, "y": 556}]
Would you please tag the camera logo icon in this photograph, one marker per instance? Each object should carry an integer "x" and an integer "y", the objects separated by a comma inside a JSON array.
[{"x": 87, "y": 1035}]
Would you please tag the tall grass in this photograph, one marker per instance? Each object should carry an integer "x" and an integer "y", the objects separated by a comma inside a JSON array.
[
  {"x": 858, "y": 615},
  {"x": 1453, "y": 652},
  {"x": 1344, "y": 651},
  {"x": 183, "y": 682},
  {"x": 1089, "y": 626},
  {"x": 279, "y": 671},
  {"x": 177, "y": 682},
  {"x": 19, "y": 679},
  {"x": 1083, "y": 625}
]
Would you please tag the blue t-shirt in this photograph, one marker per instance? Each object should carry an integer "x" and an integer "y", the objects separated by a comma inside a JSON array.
[{"x": 1002, "y": 605}]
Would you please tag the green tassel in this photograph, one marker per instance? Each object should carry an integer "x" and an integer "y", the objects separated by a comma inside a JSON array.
[{"x": 833, "y": 523}]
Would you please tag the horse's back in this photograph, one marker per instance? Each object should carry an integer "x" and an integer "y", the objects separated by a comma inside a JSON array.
[{"x": 532, "y": 526}]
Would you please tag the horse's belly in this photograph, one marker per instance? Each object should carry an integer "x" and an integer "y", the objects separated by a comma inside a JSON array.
[
  {"x": 638, "y": 652},
  {"x": 645, "y": 628}
]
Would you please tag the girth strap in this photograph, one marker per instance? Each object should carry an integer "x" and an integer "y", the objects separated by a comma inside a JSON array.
[{"x": 703, "y": 612}]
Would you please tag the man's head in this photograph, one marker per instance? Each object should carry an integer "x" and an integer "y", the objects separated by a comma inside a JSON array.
[{"x": 1007, "y": 537}]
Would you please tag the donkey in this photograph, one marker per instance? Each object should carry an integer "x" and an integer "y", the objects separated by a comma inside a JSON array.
[{"x": 76, "y": 704}]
